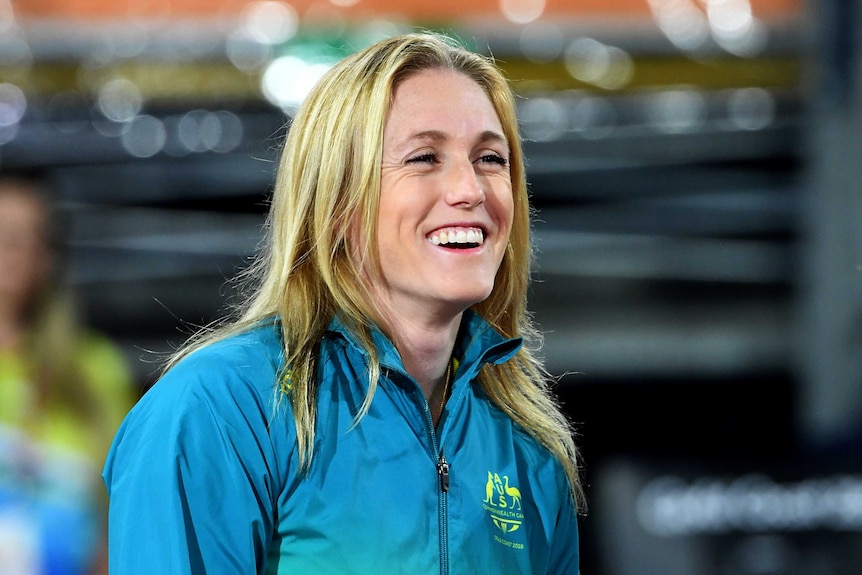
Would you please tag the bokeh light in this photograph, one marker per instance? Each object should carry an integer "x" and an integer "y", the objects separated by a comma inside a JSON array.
[
  {"x": 246, "y": 53},
  {"x": 730, "y": 24},
  {"x": 592, "y": 117},
  {"x": 270, "y": 21},
  {"x": 751, "y": 108},
  {"x": 542, "y": 41},
  {"x": 522, "y": 11},
  {"x": 120, "y": 100},
  {"x": 145, "y": 137},
  {"x": 598, "y": 64},
  {"x": 14, "y": 49},
  {"x": 13, "y": 106},
  {"x": 734, "y": 26},
  {"x": 680, "y": 110},
  {"x": 289, "y": 79},
  {"x": 544, "y": 119}
]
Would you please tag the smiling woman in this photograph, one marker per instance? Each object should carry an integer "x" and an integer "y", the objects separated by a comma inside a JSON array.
[
  {"x": 445, "y": 174},
  {"x": 378, "y": 376}
]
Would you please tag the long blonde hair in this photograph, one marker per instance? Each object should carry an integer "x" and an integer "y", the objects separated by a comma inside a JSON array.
[{"x": 328, "y": 183}]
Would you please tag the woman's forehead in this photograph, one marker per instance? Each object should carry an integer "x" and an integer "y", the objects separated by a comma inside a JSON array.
[{"x": 436, "y": 104}]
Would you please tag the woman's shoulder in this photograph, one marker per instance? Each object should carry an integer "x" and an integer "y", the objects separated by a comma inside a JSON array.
[
  {"x": 223, "y": 399},
  {"x": 258, "y": 348},
  {"x": 241, "y": 370}
]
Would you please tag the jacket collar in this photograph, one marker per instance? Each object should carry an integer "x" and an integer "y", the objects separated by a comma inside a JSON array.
[{"x": 477, "y": 343}]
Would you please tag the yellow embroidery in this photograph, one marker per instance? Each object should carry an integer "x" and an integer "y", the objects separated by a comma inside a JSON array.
[
  {"x": 503, "y": 504},
  {"x": 287, "y": 381}
]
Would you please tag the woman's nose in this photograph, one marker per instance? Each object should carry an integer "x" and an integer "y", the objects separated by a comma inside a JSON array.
[{"x": 464, "y": 185}]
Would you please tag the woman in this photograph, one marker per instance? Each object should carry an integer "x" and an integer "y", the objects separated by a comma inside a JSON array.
[
  {"x": 63, "y": 392},
  {"x": 373, "y": 410}
]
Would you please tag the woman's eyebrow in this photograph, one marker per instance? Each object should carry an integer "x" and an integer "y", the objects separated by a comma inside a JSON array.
[
  {"x": 439, "y": 136},
  {"x": 491, "y": 136}
]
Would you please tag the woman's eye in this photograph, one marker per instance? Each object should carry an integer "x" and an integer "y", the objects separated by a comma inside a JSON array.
[
  {"x": 494, "y": 159},
  {"x": 428, "y": 158}
]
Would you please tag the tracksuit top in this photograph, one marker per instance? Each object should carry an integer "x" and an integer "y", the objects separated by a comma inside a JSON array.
[{"x": 203, "y": 475}]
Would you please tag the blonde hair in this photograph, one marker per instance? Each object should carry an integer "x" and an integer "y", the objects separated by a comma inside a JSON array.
[{"x": 327, "y": 184}]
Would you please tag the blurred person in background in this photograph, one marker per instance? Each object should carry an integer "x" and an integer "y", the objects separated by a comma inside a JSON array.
[
  {"x": 375, "y": 409},
  {"x": 64, "y": 389}
]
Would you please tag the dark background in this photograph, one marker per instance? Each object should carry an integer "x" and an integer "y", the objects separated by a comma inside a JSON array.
[{"x": 699, "y": 261}]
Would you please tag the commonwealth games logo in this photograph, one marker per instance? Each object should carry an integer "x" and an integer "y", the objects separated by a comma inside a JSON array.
[{"x": 503, "y": 504}]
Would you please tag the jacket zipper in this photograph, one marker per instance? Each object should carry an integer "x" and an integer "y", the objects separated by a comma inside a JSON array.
[
  {"x": 442, "y": 494},
  {"x": 443, "y": 473},
  {"x": 443, "y": 507}
]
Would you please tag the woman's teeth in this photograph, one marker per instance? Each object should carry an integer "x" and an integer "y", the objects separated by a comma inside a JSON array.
[{"x": 457, "y": 236}]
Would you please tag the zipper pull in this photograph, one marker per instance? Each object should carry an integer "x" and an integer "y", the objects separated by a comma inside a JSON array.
[{"x": 443, "y": 473}]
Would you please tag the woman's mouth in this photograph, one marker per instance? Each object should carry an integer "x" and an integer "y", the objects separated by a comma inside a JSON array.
[{"x": 459, "y": 238}]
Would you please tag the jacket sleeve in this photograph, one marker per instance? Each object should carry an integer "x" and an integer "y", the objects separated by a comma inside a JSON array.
[
  {"x": 192, "y": 477},
  {"x": 565, "y": 553}
]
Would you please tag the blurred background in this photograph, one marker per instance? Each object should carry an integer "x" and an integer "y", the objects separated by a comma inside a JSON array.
[{"x": 695, "y": 167}]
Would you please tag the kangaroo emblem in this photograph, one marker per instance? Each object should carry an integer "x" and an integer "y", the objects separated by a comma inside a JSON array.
[
  {"x": 489, "y": 489},
  {"x": 504, "y": 507}
]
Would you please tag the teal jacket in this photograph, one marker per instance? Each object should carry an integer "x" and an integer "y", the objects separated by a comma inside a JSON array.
[{"x": 203, "y": 474}]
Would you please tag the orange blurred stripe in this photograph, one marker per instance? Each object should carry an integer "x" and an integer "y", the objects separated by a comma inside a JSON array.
[{"x": 436, "y": 9}]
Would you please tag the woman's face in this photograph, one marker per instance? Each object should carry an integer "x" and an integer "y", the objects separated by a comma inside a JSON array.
[
  {"x": 446, "y": 203},
  {"x": 24, "y": 254}
]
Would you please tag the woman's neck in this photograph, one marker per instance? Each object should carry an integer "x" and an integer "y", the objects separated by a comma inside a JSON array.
[{"x": 425, "y": 349}]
